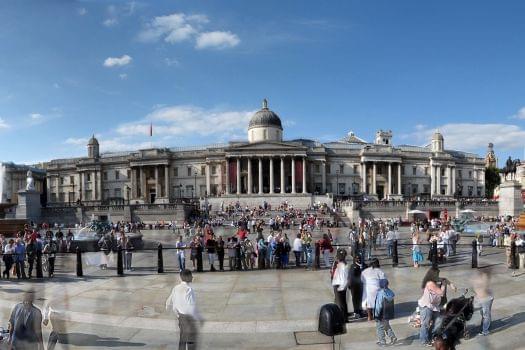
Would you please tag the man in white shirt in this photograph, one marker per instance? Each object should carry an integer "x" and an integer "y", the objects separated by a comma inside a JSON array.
[
  {"x": 182, "y": 300},
  {"x": 297, "y": 249}
]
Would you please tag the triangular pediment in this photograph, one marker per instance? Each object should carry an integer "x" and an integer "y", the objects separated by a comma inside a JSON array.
[{"x": 267, "y": 146}]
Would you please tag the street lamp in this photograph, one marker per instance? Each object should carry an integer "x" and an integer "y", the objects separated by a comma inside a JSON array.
[
  {"x": 195, "y": 184},
  {"x": 337, "y": 182}
]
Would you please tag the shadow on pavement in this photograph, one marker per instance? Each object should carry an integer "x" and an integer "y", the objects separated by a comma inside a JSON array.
[{"x": 83, "y": 339}]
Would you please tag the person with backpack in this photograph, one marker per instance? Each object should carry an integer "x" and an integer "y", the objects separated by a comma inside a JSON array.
[{"x": 383, "y": 313}]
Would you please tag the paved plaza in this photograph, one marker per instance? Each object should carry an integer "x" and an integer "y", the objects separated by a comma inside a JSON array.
[{"x": 249, "y": 309}]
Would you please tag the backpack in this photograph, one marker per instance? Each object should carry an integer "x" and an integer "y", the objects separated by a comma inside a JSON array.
[{"x": 384, "y": 310}]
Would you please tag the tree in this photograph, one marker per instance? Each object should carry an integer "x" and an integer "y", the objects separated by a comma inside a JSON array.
[{"x": 492, "y": 180}]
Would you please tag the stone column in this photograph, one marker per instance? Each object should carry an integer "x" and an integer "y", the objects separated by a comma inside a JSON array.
[
  {"x": 399, "y": 179},
  {"x": 238, "y": 175},
  {"x": 293, "y": 175},
  {"x": 133, "y": 183},
  {"x": 432, "y": 180},
  {"x": 157, "y": 183},
  {"x": 453, "y": 179},
  {"x": 374, "y": 172},
  {"x": 438, "y": 180},
  {"x": 260, "y": 175},
  {"x": 99, "y": 183},
  {"x": 250, "y": 185},
  {"x": 363, "y": 176},
  {"x": 208, "y": 179},
  {"x": 227, "y": 176},
  {"x": 323, "y": 177},
  {"x": 304, "y": 175},
  {"x": 93, "y": 188},
  {"x": 389, "y": 191},
  {"x": 83, "y": 185},
  {"x": 272, "y": 185},
  {"x": 282, "y": 175},
  {"x": 142, "y": 183},
  {"x": 449, "y": 181},
  {"x": 167, "y": 181}
]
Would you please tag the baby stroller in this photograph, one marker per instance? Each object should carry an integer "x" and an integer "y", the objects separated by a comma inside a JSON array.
[{"x": 452, "y": 324}]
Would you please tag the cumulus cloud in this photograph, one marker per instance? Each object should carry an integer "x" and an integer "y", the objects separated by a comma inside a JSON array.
[
  {"x": 520, "y": 114},
  {"x": 3, "y": 124},
  {"x": 472, "y": 136},
  {"x": 180, "y": 27},
  {"x": 117, "y": 61},
  {"x": 36, "y": 116},
  {"x": 189, "y": 120},
  {"x": 110, "y": 22},
  {"x": 217, "y": 40},
  {"x": 76, "y": 141}
]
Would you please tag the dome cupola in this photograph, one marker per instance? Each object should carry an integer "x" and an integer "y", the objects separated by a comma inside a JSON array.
[{"x": 265, "y": 125}]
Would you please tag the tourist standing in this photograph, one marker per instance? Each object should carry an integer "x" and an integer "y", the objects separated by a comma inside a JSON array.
[
  {"x": 9, "y": 257},
  {"x": 371, "y": 277},
  {"x": 355, "y": 284},
  {"x": 180, "y": 245},
  {"x": 340, "y": 281},
  {"x": 25, "y": 325},
  {"x": 326, "y": 249},
  {"x": 417, "y": 255},
  {"x": 231, "y": 253},
  {"x": 51, "y": 249},
  {"x": 211, "y": 244},
  {"x": 484, "y": 299},
  {"x": 297, "y": 249},
  {"x": 183, "y": 302},
  {"x": 220, "y": 253},
  {"x": 20, "y": 252},
  {"x": 261, "y": 251}
]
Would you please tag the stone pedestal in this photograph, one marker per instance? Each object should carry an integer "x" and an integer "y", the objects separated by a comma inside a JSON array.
[
  {"x": 28, "y": 207},
  {"x": 510, "y": 201}
]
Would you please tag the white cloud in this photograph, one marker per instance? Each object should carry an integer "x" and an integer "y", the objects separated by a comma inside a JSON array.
[
  {"x": 189, "y": 120},
  {"x": 117, "y": 61},
  {"x": 123, "y": 76},
  {"x": 36, "y": 116},
  {"x": 3, "y": 124},
  {"x": 180, "y": 27},
  {"x": 116, "y": 144},
  {"x": 76, "y": 141},
  {"x": 82, "y": 11},
  {"x": 110, "y": 22},
  {"x": 216, "y": 40},
  {"x": 473, "y": 137},
  {"x": 520, "y": 114}
]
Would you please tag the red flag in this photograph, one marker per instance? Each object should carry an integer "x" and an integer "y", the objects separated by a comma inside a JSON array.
[{"x": 151, "y": 129}]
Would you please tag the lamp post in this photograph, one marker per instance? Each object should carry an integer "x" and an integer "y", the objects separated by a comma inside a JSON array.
[
  {"x": 195, "y": 184},
  {"x": 127, "y": 193},
  {"x": 337, "y": 182}
]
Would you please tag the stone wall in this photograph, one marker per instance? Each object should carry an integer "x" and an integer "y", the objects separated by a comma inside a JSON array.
[{"x": 301, "y": 201}]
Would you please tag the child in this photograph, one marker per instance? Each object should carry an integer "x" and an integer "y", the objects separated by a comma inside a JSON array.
[{"x": 383, "y": 313}]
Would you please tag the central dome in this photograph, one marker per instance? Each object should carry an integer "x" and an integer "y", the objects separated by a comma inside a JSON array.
[{"x": 265, "y": 118}]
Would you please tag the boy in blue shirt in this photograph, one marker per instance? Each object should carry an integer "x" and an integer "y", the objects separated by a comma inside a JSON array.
[{"x": 383, "y": 313}]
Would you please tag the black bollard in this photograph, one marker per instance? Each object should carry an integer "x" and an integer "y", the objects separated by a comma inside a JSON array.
[
  {"x": 79, "y": 263},
  {"x": 513, "y": 255},
  {"x": 474, "y": 254},
  {"x": 160, "y": 259},
  {"x": 120, "y": 262},
  {"x": 199, "y": 259},
  {"x": 434, "y": 254},
  {"x": 395, "y": 257},
  {"x": 39, "y": 273},
  {"x": 317, "y": 255}
]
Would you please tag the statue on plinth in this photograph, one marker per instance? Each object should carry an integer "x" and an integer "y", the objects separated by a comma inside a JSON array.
[
  {"x": 30, "y": 182},
  {"x": 510, "y": 169}
]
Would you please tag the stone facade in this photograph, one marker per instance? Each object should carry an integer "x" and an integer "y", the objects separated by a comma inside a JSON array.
[
  {"x": 13, "y": 179},
  {"x": 268, "y": 166}
]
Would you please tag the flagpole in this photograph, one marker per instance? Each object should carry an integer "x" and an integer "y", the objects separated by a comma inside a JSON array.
[{"x": 150, "y": 135}]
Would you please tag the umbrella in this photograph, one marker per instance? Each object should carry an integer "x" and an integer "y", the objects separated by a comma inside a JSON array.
[
  {"x": 467, "y": 211},
  {"x": 415, "y": 211}
]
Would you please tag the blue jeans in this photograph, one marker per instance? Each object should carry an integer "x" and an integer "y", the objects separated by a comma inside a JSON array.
[
  {"x": 383, "y": 326},
  {"x": 486, "y": 308},
  {"x": 309, "y": 257},
  {"x": 182, "y": 262},
  {"x": 425, "y": 332},
  {"x": 390, "y": 246}
]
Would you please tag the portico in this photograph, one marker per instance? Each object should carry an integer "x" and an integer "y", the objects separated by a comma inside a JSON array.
[{"x": 381, "y": 176}]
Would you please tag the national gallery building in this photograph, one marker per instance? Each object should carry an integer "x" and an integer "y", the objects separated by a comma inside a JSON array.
[{"x": 267, "y": 167}]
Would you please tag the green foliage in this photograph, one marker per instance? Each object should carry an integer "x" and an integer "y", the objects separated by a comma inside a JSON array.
[{"x": 492, "y": 180}]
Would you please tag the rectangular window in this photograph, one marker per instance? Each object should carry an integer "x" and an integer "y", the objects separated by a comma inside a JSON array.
[
  {"x": 71, "y": 180},
  {"x": 117, "y": 175},
  {"x": 62, "y": 197},
  {"x": 175, "y": 172},
  {"x": 88, "y": 177},
  {"x": 414, "y": 170},
  {"x": 442, "y": 171},
  {"x": 341, "y": 168},
  {"x": 470, "y": 174},
  {"x": 203, "y": 170},
  {"x": 356, "y": 170},
  {"x": 213, "y": 170},
  {"x": 479, "y": 191},
  {"x": 415, "y": 188},
  {"x": 426, "y": 188},
  {"x": 470, "y": 191},
  {"x": 61, "y": 180},
  {"x": 105, "y": 175},
  {"x": 426, "y": 170},
  {"x": 118, "y": 193},
  {"x": 189, "y": 171},
  {"x": 317, "y": 169}
]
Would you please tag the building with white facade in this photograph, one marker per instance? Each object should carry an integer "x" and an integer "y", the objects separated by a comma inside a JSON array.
[{"x": 269, "y": 166}]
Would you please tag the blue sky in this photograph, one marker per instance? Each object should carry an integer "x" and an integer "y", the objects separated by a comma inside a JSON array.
[{"x": 197, "y": 70}]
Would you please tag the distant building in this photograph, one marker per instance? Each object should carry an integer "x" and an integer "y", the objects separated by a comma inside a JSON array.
[
  {"x": 13, "y": 179},
  {"x": 268, "y": 166}
]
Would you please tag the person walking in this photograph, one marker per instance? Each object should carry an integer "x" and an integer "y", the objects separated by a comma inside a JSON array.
[
  {"x": 297, "y": 249},
  {"x": 383, "y": 313},
  {"x": 25, "y": 325},
  {"x": 51, "y": 249},
  {"x": 484, "y": 299},
  {"x": 211, "y": 245},
  {"x": 183, "y": 302},
  {"x": 339, "y": 276},
  {"x": 180, "y": 245}
]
